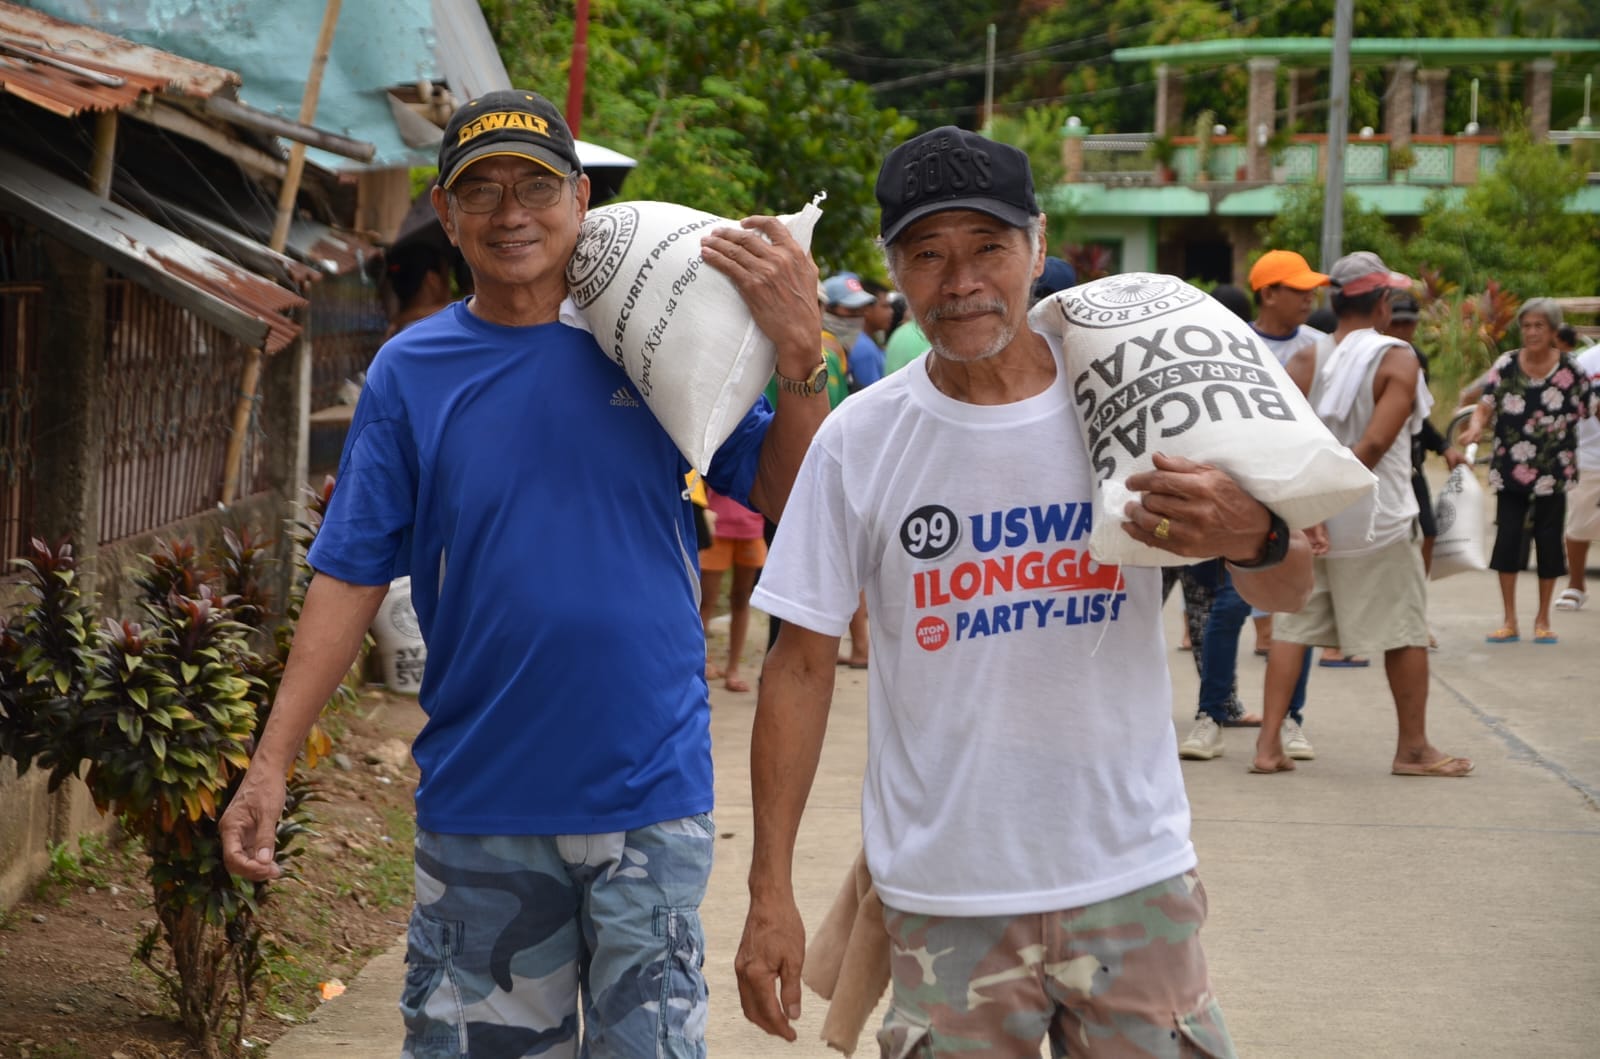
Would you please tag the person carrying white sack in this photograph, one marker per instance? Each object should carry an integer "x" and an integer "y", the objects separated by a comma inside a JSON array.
[
  {"x": 1012, "y": 674},
  {"x": 501, "y": 458},
  {"x": 1371, "y": 592}
]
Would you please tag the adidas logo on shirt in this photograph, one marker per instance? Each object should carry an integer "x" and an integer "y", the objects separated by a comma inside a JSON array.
[{"x": 623, "y": 399}]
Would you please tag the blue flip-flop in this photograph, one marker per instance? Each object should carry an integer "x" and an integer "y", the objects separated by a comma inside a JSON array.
[{"x": 1344, "y": 663}]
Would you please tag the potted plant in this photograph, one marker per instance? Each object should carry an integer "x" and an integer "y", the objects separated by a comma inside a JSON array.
[
  {"x": 1278, "y": 143},
  {"x": 1401, "y": 158},
  {"x": 1204, "y": 124},
  {"x": 1162, "y": 152}
]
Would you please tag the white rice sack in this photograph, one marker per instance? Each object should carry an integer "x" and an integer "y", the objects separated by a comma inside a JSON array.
[
  {"x": 677, "y": 327},
  {"x": 1461, "y": 514},
  {"x": 1157, "y": 365}
]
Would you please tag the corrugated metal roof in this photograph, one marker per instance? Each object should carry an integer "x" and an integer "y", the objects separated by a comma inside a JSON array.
[
  {"x": 67, "y": 68},
  {"x": 466, "y": 51},
  {"x": 245, "y": 305}
]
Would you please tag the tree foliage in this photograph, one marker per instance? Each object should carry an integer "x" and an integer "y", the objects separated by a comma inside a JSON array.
[
  {"x": 1298, "y": 226},
  {"x": 1512, "y": 227},
  {"x": 726, "y": 105}
]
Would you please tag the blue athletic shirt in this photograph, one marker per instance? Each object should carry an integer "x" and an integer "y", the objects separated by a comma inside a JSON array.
[{"x": 517, "y": 476}]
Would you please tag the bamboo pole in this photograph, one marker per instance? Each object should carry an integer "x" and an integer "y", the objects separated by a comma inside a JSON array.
[{"x": 280, "y": 236}]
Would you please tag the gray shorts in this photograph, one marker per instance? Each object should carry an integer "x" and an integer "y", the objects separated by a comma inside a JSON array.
[
  {"x": 1363, "y": 605},
  {"x": 509, "y": 931}
]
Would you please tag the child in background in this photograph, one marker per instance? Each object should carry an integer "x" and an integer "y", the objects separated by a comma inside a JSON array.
[{"x": 737, "y": 545}]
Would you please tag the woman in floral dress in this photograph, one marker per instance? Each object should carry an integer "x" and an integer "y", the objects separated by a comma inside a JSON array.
[{"x": 1535, "y": 396}]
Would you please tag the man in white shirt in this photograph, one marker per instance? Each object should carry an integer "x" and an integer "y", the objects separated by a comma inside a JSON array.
[
  {"x": 1023, "y": 812},
  {"x": 1371, "y": 594},
  {"x": 1583, "y": 498}
]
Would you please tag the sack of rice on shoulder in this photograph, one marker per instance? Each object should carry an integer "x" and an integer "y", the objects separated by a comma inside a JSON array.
[
  {"x": 1156, "y": 365},
  {"x": 677, "y": 326}
]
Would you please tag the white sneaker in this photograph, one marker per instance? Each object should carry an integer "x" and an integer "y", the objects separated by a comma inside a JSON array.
[
  {"x": 1295, "y": 743},
  {"x": 1204, "y": 742}
]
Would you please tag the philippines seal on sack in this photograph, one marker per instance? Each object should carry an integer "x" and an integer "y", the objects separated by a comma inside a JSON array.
[
  {"x": 679, "y": 329},
  {"x": 1157, "y": 365}
]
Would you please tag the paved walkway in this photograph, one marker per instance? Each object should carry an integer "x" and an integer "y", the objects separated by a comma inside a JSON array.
[{"x": 1353, "y": 914}]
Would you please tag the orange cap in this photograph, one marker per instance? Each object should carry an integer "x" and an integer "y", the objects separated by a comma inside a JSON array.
[{"x": 1285, "y": 267}]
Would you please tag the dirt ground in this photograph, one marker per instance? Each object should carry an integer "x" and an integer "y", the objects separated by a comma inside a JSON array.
[{"x": 70, "y": 986}]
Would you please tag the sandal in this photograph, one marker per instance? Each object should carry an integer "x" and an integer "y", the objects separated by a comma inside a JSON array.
[
  {"x": 1545, "y": 636},
  {"x": 1572, "y": 599},
  {"x": 1504, "y": 634}
]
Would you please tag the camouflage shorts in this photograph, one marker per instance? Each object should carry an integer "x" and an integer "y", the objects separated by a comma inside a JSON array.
[
  {"x": 509, "y": 932},
  {"x": 1122, "y": 978}
]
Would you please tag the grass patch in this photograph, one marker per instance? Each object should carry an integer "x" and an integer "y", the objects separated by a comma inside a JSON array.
[{"x": 74, "y": 867}]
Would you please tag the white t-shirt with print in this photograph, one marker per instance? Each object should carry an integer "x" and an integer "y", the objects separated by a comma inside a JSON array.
[
  {"x": 1589, "y": 427},
  {"x": 1021, "y": 755}
]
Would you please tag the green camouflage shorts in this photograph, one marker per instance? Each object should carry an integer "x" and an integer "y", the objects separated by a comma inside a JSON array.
[{"x": 1122, "y": 978}]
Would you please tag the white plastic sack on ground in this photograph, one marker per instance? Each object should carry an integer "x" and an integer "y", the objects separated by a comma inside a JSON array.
[
  {"x": 1156, "y": 365},
  {"x": 401, "y": 653},
  {"x": 677, "y": 327},
  {"x": 1460, "y": 512}
]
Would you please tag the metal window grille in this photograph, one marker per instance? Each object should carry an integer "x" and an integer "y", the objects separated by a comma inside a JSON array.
[
  {"x": 347, "y": 327},
  {"x": 171, "y": 386},
  {"x": 19, "y": 348}
]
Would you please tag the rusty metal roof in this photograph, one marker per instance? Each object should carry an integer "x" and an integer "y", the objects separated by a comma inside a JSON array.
[
  {"x": 245, "y": 305},
  {"x": 67, "y": 68}
]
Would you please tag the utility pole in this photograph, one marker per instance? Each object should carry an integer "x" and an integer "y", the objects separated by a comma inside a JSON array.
[
  {"x": 1338, "y": 131},
  {"x": 578, "y": 74},
  {"x": 988, "y": 84}
]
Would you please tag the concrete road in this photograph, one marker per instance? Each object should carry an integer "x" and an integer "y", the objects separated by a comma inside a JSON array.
[{"x": 1353, "y": 914}]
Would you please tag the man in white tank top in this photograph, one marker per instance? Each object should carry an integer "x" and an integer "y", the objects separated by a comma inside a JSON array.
[
  {"x": 1371, "y": 593},
  {"x": 1023, "y": 813}
]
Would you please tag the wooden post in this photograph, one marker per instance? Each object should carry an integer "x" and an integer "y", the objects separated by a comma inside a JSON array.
[
  {"x": 280, "y": 236},
  {"x": 105, "y": 153}
]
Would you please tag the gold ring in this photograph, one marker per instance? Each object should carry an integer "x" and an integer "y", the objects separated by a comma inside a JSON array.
[{"x": 1163, "y": 529}]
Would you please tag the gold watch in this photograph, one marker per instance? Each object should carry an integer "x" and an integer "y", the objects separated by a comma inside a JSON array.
[{"x": 814, "y": 383}]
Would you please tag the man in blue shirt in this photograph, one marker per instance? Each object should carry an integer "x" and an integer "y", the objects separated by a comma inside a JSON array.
[{"x": 506, "y": 464}]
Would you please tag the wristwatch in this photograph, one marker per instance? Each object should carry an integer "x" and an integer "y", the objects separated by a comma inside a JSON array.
[
  {"x": 1273, "y": 551},
  {"x": 814, "y": 383}
]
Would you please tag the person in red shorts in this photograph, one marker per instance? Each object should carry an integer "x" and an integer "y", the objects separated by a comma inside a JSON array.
[{"x": 737, "y": 545}]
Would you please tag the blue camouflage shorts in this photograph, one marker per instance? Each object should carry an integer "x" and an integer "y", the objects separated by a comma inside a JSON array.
[{"x": 509, "y": 931}]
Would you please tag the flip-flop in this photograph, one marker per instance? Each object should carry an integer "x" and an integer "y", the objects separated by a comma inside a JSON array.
[
  {"x": 1571, "y": 599},
  {"x": 1447, "y": 767},
  {"x": 1504, "y": 634},
  {"x": 1246, "y": 721},
  {"x": 1545, "y": 636},
  {"x": 1350, "y": 662}
]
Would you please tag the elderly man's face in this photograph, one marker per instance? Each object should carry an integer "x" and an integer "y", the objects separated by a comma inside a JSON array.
[{"x": 966, "y": 277}]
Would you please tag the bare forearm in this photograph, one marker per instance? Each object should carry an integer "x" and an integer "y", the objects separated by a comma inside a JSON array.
[
  {"x": 327, "y": 638},
  {"x": 785, "y": 746},
  {"x": 784, "y": 449},
  {"x": 1283, "y": 588}
]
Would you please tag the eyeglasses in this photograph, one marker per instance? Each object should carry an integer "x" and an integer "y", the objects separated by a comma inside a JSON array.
[{"x": 536, "y": 193}]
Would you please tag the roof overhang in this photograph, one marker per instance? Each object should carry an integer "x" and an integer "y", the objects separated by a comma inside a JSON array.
[
  {"x": 249, "y": 307},
  {"x": 67, "y": 68},
  {"x": 1318, "y": 51}
]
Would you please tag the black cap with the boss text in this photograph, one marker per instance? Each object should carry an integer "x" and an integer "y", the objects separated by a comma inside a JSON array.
[
  {"x": 508, "y": 122},
  {"x": 952, "y": 169}
]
